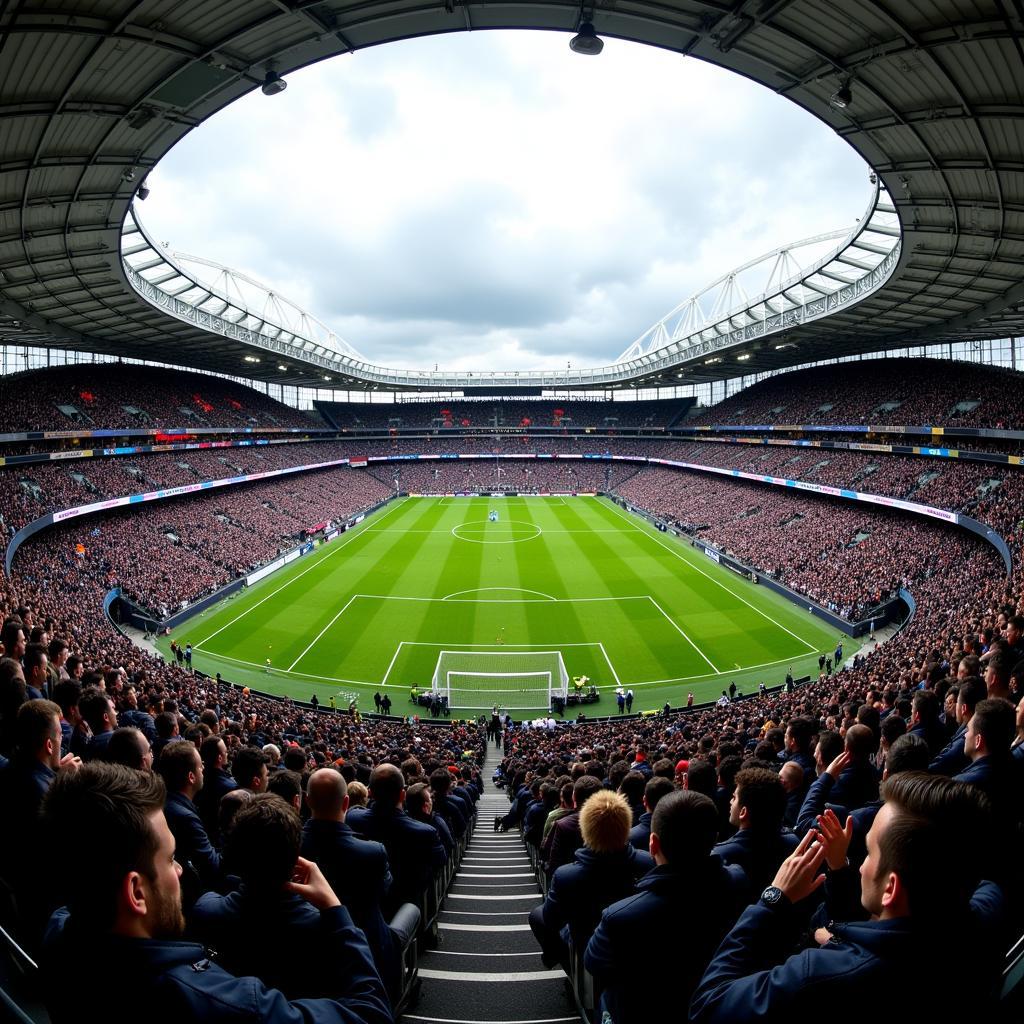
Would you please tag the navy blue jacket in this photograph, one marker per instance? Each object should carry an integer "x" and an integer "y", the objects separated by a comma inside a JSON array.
[
  {"x": 215, "y": 785},
  {"x": 749, "y": 980},
  {"x": 856, "y": 786},
  {"x": 192, "y": 844},
  {"x": 581, "y": 890},
  {"x": 415, "y": 851},
  {"x": 951, "y": 759},
  {"x": 97, "y": 746},
  {"x": 359, "y": 874},
  {"x": 170, "y": 982},
  {"x": 533, "y": 823},
  {"x": 758, "y": 855},
  {"x": 650, "y": 949},
  {"x": 453, "y": 814},
  {"x": 307, "y": 945},
  {"x": 563, "y": 841},
  {"x": 640, "y": 833}
]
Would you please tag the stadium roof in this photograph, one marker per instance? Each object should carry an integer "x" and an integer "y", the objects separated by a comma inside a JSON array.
[{"x": 92, "y": 94}]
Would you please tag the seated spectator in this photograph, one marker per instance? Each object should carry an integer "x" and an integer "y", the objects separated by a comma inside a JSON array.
[
  {"x": 24, "y": 782},
  {"x": 917, "y": 905},
  {"x": 604, "y": 870},
  {"x": 649, "y": 950},
  {"x": 451, "y": 810},
  {"x": 761, "y": 842},
  {"x": 262, "y": 849},
  {"x": 537, "y": 813},
  {"x": 358, "y": 794},
  {"x": 419, "y": 805},
  {"x": 952, "y": 759},
  {"x": 640, "y": 834},
  {"x": 129, "y": 746},
  {"x": 993, "y": 769},
  {"x": 565, "y": 837},
  {"x": 98, "y": 711},
  {"x": 182, "y": 771},
  {"x": 357, "y": 870},
  {"x": 216, "y": 782},
  {"x": 124, "y": 908},
  {"x": 288, "y": 786},
  {"x": 858, "y": 782},
  {"x": 791, "y": 775},
  {"x": 415, "y": 852},
  {"x": 250, "y": 769},
  {"x": 564, "y": 808},
  {"x": 925, "y": 721}
]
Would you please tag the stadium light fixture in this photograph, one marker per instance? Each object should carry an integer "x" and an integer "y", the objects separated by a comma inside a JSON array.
[
  {"x": 273, "y": 83},
  {"x": 143, "y": 192},
  {"x": 744, "y": 357},
  {"x": 842, "y": 97},
  {"x": 586, "y": 41}
]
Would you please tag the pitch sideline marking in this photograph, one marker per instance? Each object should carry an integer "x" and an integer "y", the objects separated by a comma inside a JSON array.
[
  {"x": 615, "y": 675},
  {"x": 694, "y": 565},
  {"x": 319, "y": 561},
  {"x": 679, "y": 628},
  {"x": 337, "y": 616}
]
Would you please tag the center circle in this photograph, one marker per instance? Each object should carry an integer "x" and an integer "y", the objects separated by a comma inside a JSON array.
[{"x": 482, "y": 532}]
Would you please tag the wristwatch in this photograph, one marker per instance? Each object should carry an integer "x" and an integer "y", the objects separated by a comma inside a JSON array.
[{"x": 773, "y": 896}]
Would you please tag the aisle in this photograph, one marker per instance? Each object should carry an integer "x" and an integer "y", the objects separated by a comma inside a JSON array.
[{"x": 487, "y": 966}]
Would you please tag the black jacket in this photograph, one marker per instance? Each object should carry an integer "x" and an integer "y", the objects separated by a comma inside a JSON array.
[
  {"x": 650, "y": 949},
  {"x": 167, "y": 982}
]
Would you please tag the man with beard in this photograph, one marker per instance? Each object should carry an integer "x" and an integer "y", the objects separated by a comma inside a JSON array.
[{"x": 124, "y": 908}]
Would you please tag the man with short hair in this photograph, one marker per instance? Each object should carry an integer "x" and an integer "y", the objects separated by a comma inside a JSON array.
[
  {"x": 690, "y": 896},
  {"x": 654, "y": 791},
  {"x": 925, "y": 721},
  {"x": 761, "y": 842},
  {"x": 216, "y": 782},
  {"x": 791, "y": 775},
  {"x": 358, "y": 872},
  {"x": 128, "y": 746},
  {"x": 124, "y": 908},
  {"x": 987, "y": 741},
  {"x": 415, "y": 852},
  {"x": 36, "y": 676},
  {"x": 182, "y": 771},
  {"x": 98, "y": 711},
  {"x": 605, "y": 869},
  {"x": 565, "y": 837},
  {"x": 952, "y": 758},
  {"x": 927, "y": 853},
  {"x": 250, "y": 769}
]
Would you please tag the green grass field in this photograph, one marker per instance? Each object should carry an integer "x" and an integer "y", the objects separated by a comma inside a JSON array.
[{"x": 622, "y": 602}]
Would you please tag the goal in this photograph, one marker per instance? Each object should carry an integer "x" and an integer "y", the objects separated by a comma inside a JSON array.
[{"x": 515, "y": 680}]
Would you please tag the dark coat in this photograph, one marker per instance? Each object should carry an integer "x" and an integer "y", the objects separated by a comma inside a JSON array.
[
  {"x": 415, "y": 851},
  {"x": 685, "y": 914},
  {"x": 563, "y": 841},
  {"x": 750, "y": 977},
  {"x": 758, "y": 855},
  {"x": 580, "y": 891},
  {"x": 215, "y": 785},
  {"x": 640, "y": 833},
  {"x": 952, "y": 759},
  {"x": 360, "y": 876},
  {"x": 191, "y": 839},
  {"x": 175, "y": 981}
]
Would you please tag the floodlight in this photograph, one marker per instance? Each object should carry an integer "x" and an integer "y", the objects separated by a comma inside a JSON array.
[
  {"x": 842, "y": 97},
  {"x": 273, "y": 83},
  {"x": 586, "y": 41},
  {"x": 143, "y": 192}
]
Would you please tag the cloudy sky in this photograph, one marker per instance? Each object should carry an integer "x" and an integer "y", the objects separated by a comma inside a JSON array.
[{"x": 493, "y": 201}]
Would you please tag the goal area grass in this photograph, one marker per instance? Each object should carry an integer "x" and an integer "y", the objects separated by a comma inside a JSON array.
[{"x": 618, "y": 601}]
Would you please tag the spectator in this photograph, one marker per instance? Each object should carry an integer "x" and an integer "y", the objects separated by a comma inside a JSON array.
[{"x": 124, "y": 906}]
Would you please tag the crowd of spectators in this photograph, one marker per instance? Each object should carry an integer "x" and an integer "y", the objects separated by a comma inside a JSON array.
[
  {"x": 911, "y": 392},
  {"x": 102, "y": 397},
  {"x": 512, "y": 412}
]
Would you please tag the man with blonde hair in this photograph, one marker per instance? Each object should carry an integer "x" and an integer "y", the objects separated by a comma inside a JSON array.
[{"x": 604, "y": 871}]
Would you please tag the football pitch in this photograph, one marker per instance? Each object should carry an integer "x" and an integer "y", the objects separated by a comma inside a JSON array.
[{"x": 621, "y": 602}]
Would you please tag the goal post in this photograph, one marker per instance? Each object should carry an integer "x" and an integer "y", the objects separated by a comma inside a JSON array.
[{"x": 515, "y": 680}]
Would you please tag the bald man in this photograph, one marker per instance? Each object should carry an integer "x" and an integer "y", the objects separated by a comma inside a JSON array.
[
  {"x": 415, "y": 851},
  {"x": 358, "y": 872}
]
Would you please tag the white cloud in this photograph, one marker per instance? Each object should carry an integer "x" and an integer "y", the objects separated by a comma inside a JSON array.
[{"x": 493, "y": 201}]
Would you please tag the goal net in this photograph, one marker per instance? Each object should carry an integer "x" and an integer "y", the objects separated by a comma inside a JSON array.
[{"x": 514, "y": 680}]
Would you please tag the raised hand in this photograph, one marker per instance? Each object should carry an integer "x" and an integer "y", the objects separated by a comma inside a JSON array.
[
  {"x": 799, "y": 875},
  {"x": 834, "y": 838},
  {"x": 308, "y": 882}
]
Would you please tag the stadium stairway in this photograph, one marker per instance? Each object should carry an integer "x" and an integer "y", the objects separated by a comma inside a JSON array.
[{"x": 486, "y": 966}]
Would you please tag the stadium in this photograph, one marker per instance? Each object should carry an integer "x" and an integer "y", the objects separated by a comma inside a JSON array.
[{"x": 687, "y": 683}]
